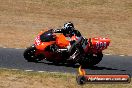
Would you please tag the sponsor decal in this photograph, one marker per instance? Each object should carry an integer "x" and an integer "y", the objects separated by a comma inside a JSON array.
[{"x": 83, "y": 78}]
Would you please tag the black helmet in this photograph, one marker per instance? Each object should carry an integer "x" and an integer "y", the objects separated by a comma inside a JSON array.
[{"x": 68, "y": 27}]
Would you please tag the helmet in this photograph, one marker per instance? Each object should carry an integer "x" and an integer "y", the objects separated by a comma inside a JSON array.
[{"x": 68, "y": 27}]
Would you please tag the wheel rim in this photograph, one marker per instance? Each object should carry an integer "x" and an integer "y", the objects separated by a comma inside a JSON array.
[{"x": 30, "y": 54}]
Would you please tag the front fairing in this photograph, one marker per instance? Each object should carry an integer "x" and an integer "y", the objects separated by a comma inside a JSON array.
[{"x": 42, "y": 41}]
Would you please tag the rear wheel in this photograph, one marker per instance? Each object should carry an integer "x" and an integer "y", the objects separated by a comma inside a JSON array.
[
  {"x": 91, "y": 60},
  {"x": 29, "y": 54}
]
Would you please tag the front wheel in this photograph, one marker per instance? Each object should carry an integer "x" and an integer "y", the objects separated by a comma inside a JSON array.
[
  {"x": 29, "y": 54},
  {"x": 91, "y": 60}
]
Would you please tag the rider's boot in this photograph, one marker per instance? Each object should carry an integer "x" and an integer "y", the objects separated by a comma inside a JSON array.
[
  {"x": 78, "y": 51},
  {"x": 74, "y": 55}
]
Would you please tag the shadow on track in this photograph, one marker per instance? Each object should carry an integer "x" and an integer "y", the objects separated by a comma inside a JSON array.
[
  {"x": 103, "y": 68},
  {"x": 77, "y": 66},
  {"x": 61, "y": 64}
]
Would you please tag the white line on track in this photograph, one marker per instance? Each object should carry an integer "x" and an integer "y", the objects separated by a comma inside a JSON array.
[
  {"x": 4, "y": 47},
  {"x": 36, "y": 71},
  {"x": 28, "y": 70},
  {"x": 41, "y": 71},
  {"x": 122, "y": 55},
  {"x": 15, "y": 69},
  {"x": 107, "y": 54},
  {"x": 25, "y": 48},
  {"x": 20, "y": 48}
]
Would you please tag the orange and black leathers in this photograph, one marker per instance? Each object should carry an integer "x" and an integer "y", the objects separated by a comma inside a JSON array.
[
  {"x": 73, "y": 43},
  {"x": 65, "y": 32}
]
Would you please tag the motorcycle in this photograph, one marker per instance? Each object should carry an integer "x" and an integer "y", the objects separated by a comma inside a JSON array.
[{"x": 47, "y": 44}]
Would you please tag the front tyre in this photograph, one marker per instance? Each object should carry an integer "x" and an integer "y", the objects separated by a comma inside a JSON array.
[{"x": 29, "y": 54}]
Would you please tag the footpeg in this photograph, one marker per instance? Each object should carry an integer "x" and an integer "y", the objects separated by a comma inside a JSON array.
[{"x": 62, "y": 50}]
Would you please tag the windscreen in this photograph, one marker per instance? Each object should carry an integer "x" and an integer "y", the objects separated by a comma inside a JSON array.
[{"x": 47, "y": 36}]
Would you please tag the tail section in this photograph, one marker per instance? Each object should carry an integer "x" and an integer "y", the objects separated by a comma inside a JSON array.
[{"x": 100, "y": 43}]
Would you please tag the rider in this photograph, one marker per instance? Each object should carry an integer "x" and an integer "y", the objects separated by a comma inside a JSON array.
[{"x": 68, "y": 31}]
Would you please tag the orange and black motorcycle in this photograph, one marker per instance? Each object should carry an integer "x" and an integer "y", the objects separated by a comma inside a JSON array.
[{"x": 47, "y": 44}]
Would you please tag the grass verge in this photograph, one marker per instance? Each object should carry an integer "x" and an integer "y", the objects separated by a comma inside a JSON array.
[{"x": 22, "y": 79}]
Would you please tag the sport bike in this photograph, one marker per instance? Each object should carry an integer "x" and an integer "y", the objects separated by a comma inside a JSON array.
[{"x": 47, "y": 45}]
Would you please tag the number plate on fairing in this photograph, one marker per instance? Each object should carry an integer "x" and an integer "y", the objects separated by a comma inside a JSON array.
[
  {"x": 100, "y": 43},
  {"x": 37, "y": 40}
]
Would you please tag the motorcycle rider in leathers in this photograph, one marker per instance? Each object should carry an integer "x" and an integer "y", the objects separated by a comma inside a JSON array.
[{"x": 68, "y": 31}]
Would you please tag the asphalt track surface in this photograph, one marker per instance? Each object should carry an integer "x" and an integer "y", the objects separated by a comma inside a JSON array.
[{"x": 111, "y": 64}]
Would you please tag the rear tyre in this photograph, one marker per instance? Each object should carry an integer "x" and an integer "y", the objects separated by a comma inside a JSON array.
[
  {"x": 29, "y": 54},
  {"x": 91, "y": 60}
]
